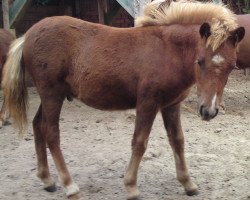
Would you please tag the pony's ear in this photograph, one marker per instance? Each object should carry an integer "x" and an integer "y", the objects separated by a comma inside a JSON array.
[
  {"x": 237, "y": 35},
  {"x": 205, "y": 30}
]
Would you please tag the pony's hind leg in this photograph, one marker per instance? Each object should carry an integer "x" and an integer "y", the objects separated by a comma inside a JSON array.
[
  {"x": 171, "y": 118},
  {"x": 40, "y": 144},
  {"x": 51, "y": 108},
  {"x": 144, "y": 120},
  {"x": 4, "y": 115}
]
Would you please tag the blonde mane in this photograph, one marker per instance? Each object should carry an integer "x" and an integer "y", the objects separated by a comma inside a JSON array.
[{"x": 166, "y": 12}]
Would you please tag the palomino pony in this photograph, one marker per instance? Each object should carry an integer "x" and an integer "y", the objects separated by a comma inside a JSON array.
[
  {"x": 5, "y": 40},
  {"x": 150, "y": 68}
]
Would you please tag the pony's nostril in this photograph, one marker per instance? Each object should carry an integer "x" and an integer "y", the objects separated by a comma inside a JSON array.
[{"x": 205, "y": 113}]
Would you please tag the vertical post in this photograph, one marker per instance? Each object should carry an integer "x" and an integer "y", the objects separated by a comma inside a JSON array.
[
  {"x": 101, "y": 11},
  {"x": 105, "y": 6},
  {"x": 6, "y": 19}
]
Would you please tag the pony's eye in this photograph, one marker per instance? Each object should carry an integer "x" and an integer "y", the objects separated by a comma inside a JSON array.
[{"x": 200, "y": 62}]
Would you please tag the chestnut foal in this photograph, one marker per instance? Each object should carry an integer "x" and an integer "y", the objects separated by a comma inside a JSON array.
[{"x": 150, "y": 67}]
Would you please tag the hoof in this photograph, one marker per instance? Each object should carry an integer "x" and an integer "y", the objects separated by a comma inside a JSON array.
[
  {"x": 134, "y": 195},
  {"x": 191, "y": 188},
  {"x": 72, "y": 190},
  {"x": 75, "y": 197},
  {"x": 4, "y": 123},
  {"x": 192, "y": 192},
  {"x": 51, "y": 188}
]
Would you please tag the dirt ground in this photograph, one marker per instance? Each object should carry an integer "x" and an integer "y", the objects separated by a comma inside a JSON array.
[{"x": 96, "y": 145}]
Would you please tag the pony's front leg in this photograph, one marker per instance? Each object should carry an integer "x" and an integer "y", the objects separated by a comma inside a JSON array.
[
  {"x": 171, "y": 118},
  {"x": 144, "y": 120}
]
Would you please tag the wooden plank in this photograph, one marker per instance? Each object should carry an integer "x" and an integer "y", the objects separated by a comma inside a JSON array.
[{"x": 17, "y": 10}]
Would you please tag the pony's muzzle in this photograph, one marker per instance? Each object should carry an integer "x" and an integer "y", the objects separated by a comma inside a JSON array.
[{"x": 207, "y": 113}]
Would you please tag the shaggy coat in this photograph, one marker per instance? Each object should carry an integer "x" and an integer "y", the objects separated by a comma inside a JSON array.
[{"x": 150, "y": 68}]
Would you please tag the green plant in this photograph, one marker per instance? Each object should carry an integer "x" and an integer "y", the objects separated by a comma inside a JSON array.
[
  {"x": 243, "y": 6},
  {"x": 246, "y": 8}
]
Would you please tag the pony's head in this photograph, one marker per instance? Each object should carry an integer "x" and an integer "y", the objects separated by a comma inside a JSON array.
[
  {"x": 214, "y": 64},
  {"x": 216, "y": 55}
]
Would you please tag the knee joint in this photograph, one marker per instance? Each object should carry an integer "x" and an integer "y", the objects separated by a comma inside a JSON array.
[{"x": 139, "y": 146}]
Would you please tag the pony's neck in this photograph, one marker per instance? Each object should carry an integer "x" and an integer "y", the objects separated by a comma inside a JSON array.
[{"x": 185, "y": 41}]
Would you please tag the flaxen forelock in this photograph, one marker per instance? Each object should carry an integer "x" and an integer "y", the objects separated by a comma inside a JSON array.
[{"x": 221, "y": 19}]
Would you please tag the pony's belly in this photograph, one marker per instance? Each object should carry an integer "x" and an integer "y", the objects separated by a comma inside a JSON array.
[
  {"x": 107, "y": 104},
  {"x": 105, "y": 90},
  {"x": 108, "y": 101}
]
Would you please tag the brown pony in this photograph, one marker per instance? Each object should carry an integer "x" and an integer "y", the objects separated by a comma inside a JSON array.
[
  {"x": 150, "y": 67},
  {"x": 243, "y": 55},
  {"x": 5, "y": 40}
]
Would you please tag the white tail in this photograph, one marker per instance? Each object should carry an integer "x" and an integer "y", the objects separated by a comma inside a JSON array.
[{"x": 13, "y": 83}]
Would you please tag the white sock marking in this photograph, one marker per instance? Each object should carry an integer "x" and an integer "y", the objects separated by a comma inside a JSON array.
[{"x": 72, "y": 189}]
